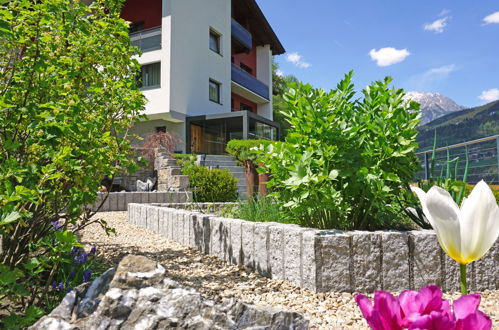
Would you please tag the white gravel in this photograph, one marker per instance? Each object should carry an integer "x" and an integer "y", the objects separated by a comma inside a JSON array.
[{"x": 217, "y": 279}]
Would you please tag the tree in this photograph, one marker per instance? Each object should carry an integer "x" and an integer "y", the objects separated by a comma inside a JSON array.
[{"x": 68, "y": 96}]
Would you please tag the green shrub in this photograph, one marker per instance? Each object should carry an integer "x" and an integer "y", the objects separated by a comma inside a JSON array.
[
  {"x": 344, "y": 160},
  {"x": 258, "y": 209},
  {"x": 246, "y": 150},
  {"x": 185, "y": 160},
  {"x": 211, "y": 186}
]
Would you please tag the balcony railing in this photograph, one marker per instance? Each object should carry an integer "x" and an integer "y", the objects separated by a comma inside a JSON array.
[
  {"x": 243, "y": 78},
  {"x": 147, "y": 40},
  {"x": 241, "y": 36}
]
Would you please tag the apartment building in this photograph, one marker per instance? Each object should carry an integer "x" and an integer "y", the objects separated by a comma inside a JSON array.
[{"x": 206, "y": 70}]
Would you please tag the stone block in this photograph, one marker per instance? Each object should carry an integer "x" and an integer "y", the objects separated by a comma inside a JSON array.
[
  {"x": 144, "y": 197},
  {"x": 292, "y": 254},
  {"x": 225, "y": 238},
  {"x": 216, "y": 237},
  {"x": 152, "y": 219},
  {"x": 152, "y": 197},
  {"x": 169, "y": 219},
  {"x": 451, "y": 277},
  {"x": 105, "y": 205},
  {"x": 186, "y": 222},
  {"x": 425, "y": 259},
  {"x": 163, "y": 187},
  {"x": 395, "y": 263},
  {"x": 309, "y": 259},
  {"x": 163, "y": 223},
  {"x": 333, "y": 262},
  {"x": 113, "y": 202},
  {"x": 141, "y": 220},
  {"x": 486, "y": 270},
  {"x": 235, "y": 247},
  {"x": 178, "y": 226},
  {"x": 262, "y": 247},
  {"x": 179, "y": 182},
  {"x": 160, "y": 197},
  {"x": 165, "y": 173},
  {"x": 128, "y": 199},
  {"x": 137, "y": 197},
  {"x": 276, "y": 252},
  {"x": 121, "y": 201},
  {"x": 248, "y": 243},
  {"x": 366, "y": 269}
]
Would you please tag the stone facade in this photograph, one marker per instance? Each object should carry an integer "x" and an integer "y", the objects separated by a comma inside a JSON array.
[{"x": 321, "y": 260}]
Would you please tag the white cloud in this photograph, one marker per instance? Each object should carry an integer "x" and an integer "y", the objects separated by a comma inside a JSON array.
[
  {"x": 297, "y": 60},
  {"x": 492, "y": 18},
  {"x": 444, "y": 12},
  {"x": 431, "y": 79},
  {"x": 437, "y": 26},
  {"x": 279, "y": 73},
  {"x": 490, "y": 95},
  {"x": 388, "y": 56}
]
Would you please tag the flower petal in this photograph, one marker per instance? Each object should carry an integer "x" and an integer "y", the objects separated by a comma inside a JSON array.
[
  {"x": 475, "y": 321},
  {"x": 443, "y": 214},
  {"x": 433, "y": 321},
  {"x": 466, "y": 305},
  {"x": 479, "y": 222},
  {"x": 365, "y": 305},
  {"x": 388, "y": 309}
]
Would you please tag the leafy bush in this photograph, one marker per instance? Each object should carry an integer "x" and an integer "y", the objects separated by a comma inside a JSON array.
[
  {"x": 211, "y": 185},
  {"x": 68, "y": 96},
  {"x": 345, "y": 160},
  {"x": 246, "y": 150},
  {"x": 185, "y": 160}
]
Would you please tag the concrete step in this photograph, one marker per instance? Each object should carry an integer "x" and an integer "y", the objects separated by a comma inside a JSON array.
[
  {"x": 233, "y": 169},
  {"x": 214, "y": 163},
  {"x": 219, "y": 158}
]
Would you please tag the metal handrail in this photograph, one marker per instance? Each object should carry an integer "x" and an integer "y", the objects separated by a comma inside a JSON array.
[
  {"x": 145, "y": 33},
  {"x": 462, "y": 144}
]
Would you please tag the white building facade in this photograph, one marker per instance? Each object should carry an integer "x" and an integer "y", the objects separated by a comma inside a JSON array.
[{"x": 206, "y": 70}]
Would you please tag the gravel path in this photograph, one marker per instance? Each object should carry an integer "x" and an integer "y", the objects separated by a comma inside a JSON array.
[{"x": 217, "y": 280}]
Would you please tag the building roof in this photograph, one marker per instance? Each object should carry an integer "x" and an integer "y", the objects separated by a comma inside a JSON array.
[{"x": 249, "y": 14}]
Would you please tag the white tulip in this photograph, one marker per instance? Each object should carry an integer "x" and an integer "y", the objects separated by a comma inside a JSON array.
[{"x": 465, "y": 233}]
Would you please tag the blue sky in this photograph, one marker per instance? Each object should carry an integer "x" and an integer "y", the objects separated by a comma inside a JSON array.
[{"x": 450, "y": 47}]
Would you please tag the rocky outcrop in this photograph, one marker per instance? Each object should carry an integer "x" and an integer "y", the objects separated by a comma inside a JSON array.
[{"x": 138, "y": 295}]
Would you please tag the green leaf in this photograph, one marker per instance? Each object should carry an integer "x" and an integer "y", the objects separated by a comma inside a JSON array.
[{"x": 11, "y": 217}]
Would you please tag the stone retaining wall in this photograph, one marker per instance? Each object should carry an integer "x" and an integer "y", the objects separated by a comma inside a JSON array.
[
  {"x": 320, "y": 260},
  {"x": 118, "y": 201}
]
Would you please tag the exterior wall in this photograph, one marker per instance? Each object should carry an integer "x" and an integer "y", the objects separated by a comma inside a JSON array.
[
  {"x": 147, "y": 11},
  {"x": 192, "y": 63},
  {"x": 264, "y": 74},
  {"x": 144, "y": 128},
  {"x": 247, "y": 59},
  {"x": 239, "y": 99}
]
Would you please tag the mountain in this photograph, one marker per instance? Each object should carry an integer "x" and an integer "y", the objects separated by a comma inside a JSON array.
[
  {"x": 461, "y": 126},
  {"x": 433, "y": 105}
]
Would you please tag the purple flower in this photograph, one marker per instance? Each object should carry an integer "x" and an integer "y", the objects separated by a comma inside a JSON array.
[
  {"x": 54, "y": 285},
  {"x": 74, "y": 250},
  {"x": 69, "y": 289},
  {"x": 83, "y": 257},
  {"x": 60, "y": 286},
  {"x": 423, "y": 309},
  {"x": 71, "y": 274},
  {"x": 93, "y": 250},
  {"x": 56, "y": 225},
  {"x": 86, "y": 275}
]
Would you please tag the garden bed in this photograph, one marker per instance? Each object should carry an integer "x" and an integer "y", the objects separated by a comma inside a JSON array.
[{"x": 320, "y": 260}]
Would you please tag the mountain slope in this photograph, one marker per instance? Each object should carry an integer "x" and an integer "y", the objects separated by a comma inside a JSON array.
[
  {"x": 433, "y": 105},
  {"x": 461, "y": 126}
]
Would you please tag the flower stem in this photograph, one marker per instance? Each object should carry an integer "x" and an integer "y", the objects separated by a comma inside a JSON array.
[{"x": 464, "y": 285}]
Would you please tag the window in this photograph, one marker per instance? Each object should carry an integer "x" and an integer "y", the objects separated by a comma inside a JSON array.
[
  {"x": 136, "y": 27},
  {"x": 215, "y": 42},
  {"x": 214, "y": 91},
  {"x": 246, "y": 68},
  {"x": 245, "y": 107},
  {"x": 150, "y": 76},
  {"x": 161, "y": 129}
]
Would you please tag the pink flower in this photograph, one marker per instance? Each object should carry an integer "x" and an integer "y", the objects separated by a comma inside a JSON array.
[{"x": 423, "y": 309}]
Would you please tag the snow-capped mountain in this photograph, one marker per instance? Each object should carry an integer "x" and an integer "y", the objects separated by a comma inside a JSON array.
[{"x": 433, "y": 105}]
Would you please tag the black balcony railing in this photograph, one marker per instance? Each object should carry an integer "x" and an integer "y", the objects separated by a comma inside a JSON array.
[
  {"x": 243, "y": 78},
  {"x": 241, "y": 36},
  {"x": 147, "y": 40}
]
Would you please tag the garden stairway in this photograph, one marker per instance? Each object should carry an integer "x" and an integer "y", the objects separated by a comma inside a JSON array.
[{"x": 230, "y": 164}]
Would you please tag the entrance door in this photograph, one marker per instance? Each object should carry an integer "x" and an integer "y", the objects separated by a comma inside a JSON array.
[{"x": 196, "y": 138}]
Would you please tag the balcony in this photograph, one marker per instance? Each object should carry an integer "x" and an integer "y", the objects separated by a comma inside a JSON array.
[
  {"x": 147, "y": 40},
  {"x": 242, "y": 39},
  {"x": 251, "y": 84}
]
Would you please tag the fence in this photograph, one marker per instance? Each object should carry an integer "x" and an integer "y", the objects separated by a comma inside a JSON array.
[{"x": 481, "y": 154}]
